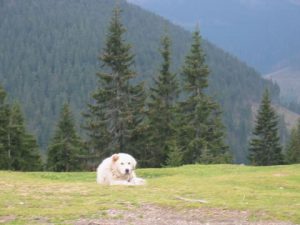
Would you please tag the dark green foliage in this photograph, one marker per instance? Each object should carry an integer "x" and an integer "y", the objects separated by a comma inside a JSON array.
[
  {"x": 31, "y": 154},
  {"x": 195, "y": 71},
  {"x": 201, "y": 133},
  {"x": 4, "y": 121},
  {"x": 48, "y": 55},
  {"x": 18, "y": 149},
  {"x": 293, "y": 146},
  {"x": 98, "y": 135},
  {"x": 66, "y": 149},
  {"x": 161, "y": 110},
  {"x": 175, "y": 155},
  {"x": 265, "y": 146},
  {"x": 24, "y": 152},
  {"x": 118, "y": 103}
]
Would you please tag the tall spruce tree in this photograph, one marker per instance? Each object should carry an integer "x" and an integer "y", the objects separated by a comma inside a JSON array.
[
  {"x": 31, "y": 156},
  {"x": 66, "y": 149},
  {"x": 24, "y": 151},
  {"x": 265, "y": 146},
  {"x": 5, "y": 154},
  {"x": 161, "y": 111},
  {"x": 201, "y": 132},
  {"x": 18, "y": 148},
  {"x": 293, "y": 146},
  {"x": 4, "y": 121},
  {"x": 117, "y": 108}
]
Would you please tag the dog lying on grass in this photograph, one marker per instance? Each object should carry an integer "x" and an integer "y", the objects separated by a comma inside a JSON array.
[{"x": 118, "y": 170}]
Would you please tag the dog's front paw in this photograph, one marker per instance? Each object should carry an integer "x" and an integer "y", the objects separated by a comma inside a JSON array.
[{"x": 138, "y": 181}]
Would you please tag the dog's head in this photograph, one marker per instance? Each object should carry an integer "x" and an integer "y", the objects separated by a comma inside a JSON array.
[{"x": 123, "y": 163}]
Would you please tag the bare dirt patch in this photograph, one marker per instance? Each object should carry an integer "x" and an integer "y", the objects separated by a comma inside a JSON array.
[
  {"x": 155, "y": 215},
  {"x": 41, "y": 220},
  {"x": 6, "y": 219}
]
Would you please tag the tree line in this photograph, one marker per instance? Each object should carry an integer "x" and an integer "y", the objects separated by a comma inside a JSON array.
[
  {"x": 175, "y": 122},
  {"x": 45, "y": 69}
]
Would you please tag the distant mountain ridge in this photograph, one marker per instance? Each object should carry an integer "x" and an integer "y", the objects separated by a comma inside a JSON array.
[
  {"x": 289, "y": 81},
  {"x": 48, "y": 56},
  {"x": 263, "y": 33}
]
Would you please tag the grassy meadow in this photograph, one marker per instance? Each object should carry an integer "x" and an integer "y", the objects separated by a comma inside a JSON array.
[{"x": 268, "y": 192}]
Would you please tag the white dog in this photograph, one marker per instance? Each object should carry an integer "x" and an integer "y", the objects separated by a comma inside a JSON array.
[{"x": 118, "y": 170}]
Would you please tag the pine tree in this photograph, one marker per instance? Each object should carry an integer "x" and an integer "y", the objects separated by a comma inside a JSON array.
[
  {"x": 18, "y": 148},
  {"x": 31, "y": 155},
  {"x": 161, "y": 110},
  {"x": 15, "y": 137},
  {"x": 21, "y": 147},
  {"x": 24, "y": 153},
  {"x": 66, "y": 147},
  {"x": 201, "y": 132},
  {"x": 265, "y": 146},
  {"x": 174, "y": 156},
  {"x": 118, "y": 104},
  {"x": 293, "y": 146},
  {"x": 4, "y": 121}
]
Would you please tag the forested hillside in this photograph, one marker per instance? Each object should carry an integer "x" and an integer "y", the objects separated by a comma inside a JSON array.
[
  {"x": 263, "y": 33},
  {"x": 49, "y": 50},
  {"x": 246, "y": 28}
]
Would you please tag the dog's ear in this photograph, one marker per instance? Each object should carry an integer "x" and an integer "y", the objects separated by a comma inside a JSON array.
[{"x": 115, "y": 157}]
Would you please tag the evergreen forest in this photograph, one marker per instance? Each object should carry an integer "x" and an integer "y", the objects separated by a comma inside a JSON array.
[{"x": 49, "y": 55}]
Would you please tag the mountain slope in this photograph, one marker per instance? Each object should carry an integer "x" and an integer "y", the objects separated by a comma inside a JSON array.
[
  {"x": 289, "y": 81},
  {"x": 264, "y": 33},
  {"x": 49, "y": 49}
]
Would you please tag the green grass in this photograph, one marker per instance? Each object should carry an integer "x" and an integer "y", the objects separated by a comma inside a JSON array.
[{"x": 268, "y": 192}]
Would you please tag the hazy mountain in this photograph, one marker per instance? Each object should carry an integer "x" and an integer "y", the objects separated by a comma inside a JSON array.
[
  {"x": 263, "y": 33},
  {"x": 48, "y": 56},
  {"x": 288, "y": 79}
]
